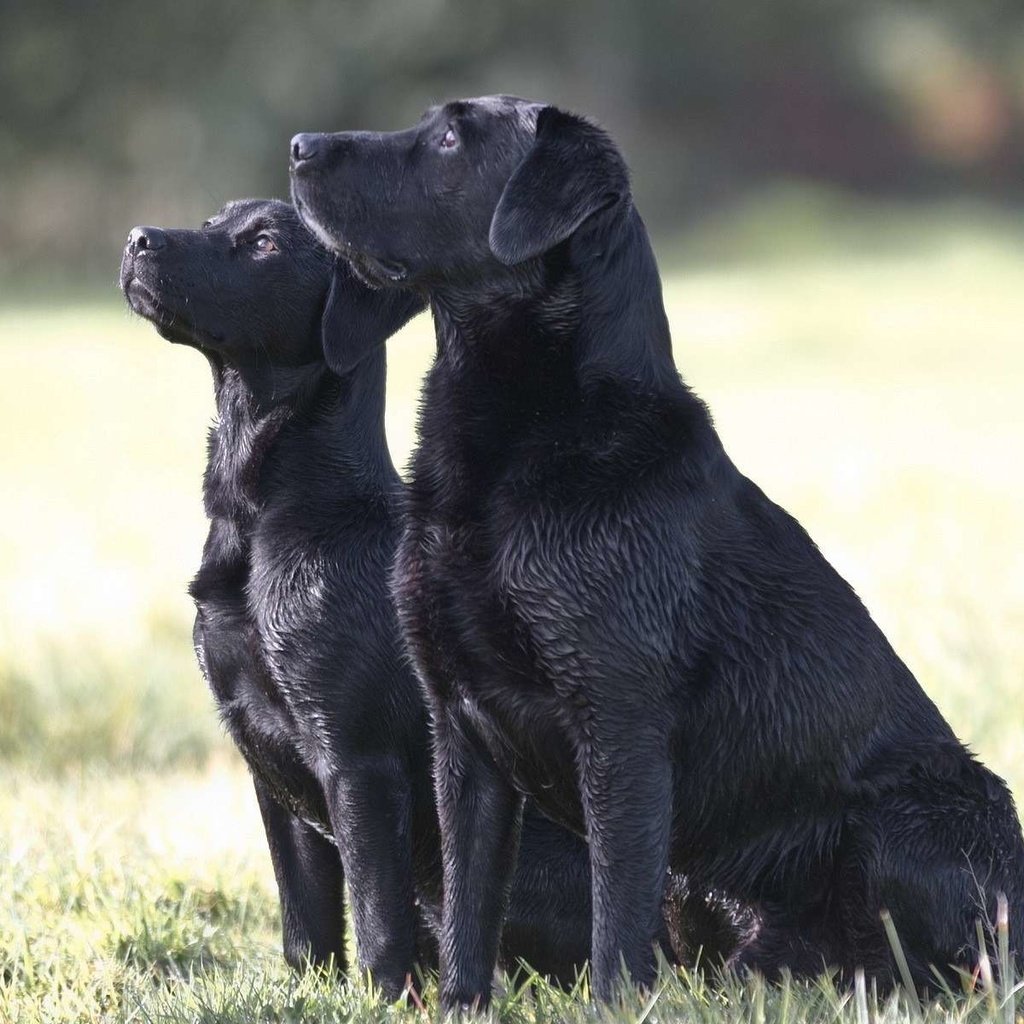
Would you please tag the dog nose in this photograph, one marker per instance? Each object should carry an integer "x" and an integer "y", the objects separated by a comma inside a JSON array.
[
  {"x": 141, "y": 238},
  {"x": 305, "y": 148}
]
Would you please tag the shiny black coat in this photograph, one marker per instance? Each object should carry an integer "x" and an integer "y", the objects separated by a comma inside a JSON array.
[
  {"x": 610, "y": 617},
  {"x": 295, "y": 628}
]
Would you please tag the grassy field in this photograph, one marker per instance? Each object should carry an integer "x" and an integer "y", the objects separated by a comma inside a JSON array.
[{"x": 874, "y": 390}]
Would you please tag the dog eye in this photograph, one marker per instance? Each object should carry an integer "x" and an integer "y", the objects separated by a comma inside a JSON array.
[
  {"x": 264, "y": 243},
  {"x": 449, "y": 140}
]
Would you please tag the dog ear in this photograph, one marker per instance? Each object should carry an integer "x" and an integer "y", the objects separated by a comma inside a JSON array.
[
  {"x": 357, "y": 319},
  {"x": 572, "y": 171}
]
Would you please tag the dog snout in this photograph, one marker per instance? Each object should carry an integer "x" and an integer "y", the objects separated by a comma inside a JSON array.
[
  {"x": 141, "y": 239},
  {"x": 306, "y": 149}
]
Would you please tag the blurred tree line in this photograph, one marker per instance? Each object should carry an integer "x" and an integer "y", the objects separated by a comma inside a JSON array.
[{"x": 115, "y": 112}]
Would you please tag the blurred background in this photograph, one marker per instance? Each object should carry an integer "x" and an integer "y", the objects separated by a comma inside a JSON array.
[
  {"x": 118, "y": 109},
  {"x": 836, "y": 193}
]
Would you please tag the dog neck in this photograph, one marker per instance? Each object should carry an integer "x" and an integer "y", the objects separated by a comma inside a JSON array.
[
  {"x": 290, "y": 417},
  {"x": 597, "y": 296},
  {"x": 565, "y": 366}
]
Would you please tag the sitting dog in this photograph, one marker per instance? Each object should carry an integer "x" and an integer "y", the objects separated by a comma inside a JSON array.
[
  {"x": 295, "y": 630},
  {"x": 608, "y": 615}
]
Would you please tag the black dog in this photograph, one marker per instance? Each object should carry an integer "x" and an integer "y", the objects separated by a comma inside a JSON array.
[
  {"x": 295, "y": 630},
  {"x": 608, "y": 615}
]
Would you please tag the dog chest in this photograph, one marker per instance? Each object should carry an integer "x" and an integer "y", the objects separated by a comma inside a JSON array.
[
  {"x": 232, "y": 652},
  {"x": 250, "y": 705},
  {"x": 523, "y": 625},
  {"x": 477, "y": 659},
  {"x": 231, "y": 661},
  {"x": 553, "y": 596}
]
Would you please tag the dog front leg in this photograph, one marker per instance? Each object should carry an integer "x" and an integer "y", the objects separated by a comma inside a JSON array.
[
  {"x": 371, "y": 811},
  {"x": 480, "y": 817},
  {"x": 627, "y": 803},
  {"x": 310, "y": 886}
]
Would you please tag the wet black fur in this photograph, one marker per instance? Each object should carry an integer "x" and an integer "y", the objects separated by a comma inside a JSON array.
[
  {"x": 295, "y": 630},
  {"x": 609, "y": 616}
]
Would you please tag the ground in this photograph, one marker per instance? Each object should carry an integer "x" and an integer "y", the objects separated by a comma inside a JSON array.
[{"x": 874, "y": 389}]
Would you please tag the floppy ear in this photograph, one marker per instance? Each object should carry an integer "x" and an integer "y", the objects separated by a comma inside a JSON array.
[
  {"x": 572, "y": 171},
  {"x": 357, "y": 319}
]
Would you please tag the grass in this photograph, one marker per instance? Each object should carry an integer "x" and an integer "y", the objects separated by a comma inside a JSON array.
[
  {"x": 873, "y": 391},
  {"x": 147, "y": 899}
]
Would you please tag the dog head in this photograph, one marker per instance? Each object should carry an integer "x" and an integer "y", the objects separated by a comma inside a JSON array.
[
  {"x": 253, "y": 284},
  {"x": 478, "y": 186}
]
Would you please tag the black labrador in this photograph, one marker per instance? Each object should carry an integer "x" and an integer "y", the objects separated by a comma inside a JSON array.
[
  {"x": 608, "y": 615},
  {"x": 295, "y": 629}
]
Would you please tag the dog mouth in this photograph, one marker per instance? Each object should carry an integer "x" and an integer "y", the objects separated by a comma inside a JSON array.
[
  {"x": 144, "y": 302},
  {"x": 373, "y": 271},
  {"x": 147, "y": 304}
]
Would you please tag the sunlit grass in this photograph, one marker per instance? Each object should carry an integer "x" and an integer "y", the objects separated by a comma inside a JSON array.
[
  {"x": 149, "y": 899},
  {"x": 877, "y": 395}
]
